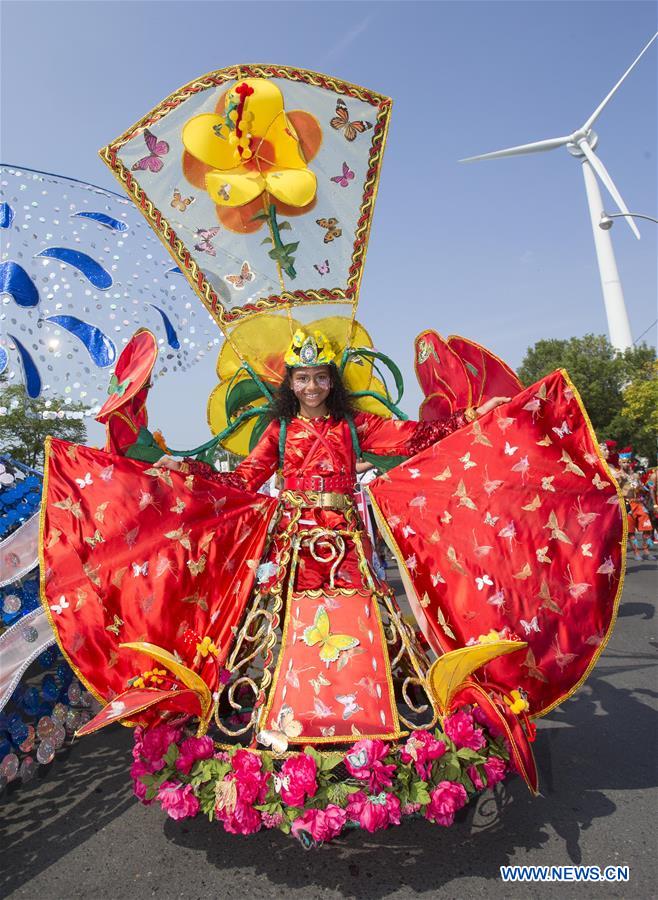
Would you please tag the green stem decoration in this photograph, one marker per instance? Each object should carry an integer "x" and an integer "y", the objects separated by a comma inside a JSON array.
[{"x": 281, "y": 252}]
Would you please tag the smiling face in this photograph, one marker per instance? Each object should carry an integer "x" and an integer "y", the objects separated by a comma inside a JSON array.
[{"x": 311, "y": 385}]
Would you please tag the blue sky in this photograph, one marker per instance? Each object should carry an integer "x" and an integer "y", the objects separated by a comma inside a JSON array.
[{"x": 500, "y": 251}]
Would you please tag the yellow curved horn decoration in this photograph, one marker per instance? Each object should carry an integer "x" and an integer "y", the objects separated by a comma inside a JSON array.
[
  {"x": 189, "y": 678},
  {"x": 449, "y": 671}
]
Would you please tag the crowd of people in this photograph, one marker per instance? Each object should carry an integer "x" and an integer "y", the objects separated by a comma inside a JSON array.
[{"x": 637, "y": 481}]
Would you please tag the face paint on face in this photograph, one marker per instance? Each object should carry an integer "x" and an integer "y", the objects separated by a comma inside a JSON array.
[{"x": 311, "y": 386}]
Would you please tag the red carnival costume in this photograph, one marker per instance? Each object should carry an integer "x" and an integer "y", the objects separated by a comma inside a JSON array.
[{"x": 250, "y": 638}]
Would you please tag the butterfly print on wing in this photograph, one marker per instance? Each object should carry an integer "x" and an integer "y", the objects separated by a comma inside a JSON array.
[
  {"x": 157, "y": 149},
  {"x": 341, "y": 122}
]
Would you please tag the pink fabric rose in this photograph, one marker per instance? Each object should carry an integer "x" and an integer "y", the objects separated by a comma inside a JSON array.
[
  {"x": 298, "y": 779},
  {"x": 193, "y": 749},
  {"x": 446, "y": 798},
  {"x": 460, "y": 728},
  {"x": 375, "y": 812},
  {"x": 321, "y": 824},
  {"x": 243, "y": 819},
  {"x": 495, "y": 770},
  {"x": 250, "y": 779},
  {"x": 178, "y": 801},
  {"x": 364, "y": 761},
  {"x": 422, "y": 748},
  {"x": 482, "y": 718},
  {"x": 474, "y": 775},
  {"x": 139, "y": 768},
  {"x": 152, "y": 743}
]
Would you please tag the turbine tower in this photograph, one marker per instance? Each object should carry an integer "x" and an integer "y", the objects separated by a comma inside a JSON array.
[{"x": 581, "y": 144}]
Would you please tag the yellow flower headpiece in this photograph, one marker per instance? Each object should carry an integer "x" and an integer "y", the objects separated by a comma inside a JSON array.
[{"x": 312, "y": 349}]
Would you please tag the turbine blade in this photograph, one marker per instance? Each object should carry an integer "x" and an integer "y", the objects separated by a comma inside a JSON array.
[
  {"x": 599, "y": 109},
  {"x": 535, "y": 147},
  {"x": 603, "y": 174}
]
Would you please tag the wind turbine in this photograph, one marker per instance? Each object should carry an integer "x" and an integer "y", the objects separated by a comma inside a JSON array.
[{"x": 581, "y": 144}]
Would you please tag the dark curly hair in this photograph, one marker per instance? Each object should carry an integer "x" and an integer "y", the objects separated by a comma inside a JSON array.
[{"x": 286, "y": 405}]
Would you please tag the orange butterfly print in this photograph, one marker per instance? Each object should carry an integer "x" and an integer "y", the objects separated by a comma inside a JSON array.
[
  {"x": 179, "y": 202},
  {"x": 341, "y": 122},
  {"x": 331, "y": 225},
  {"x": 244, "y": 277}
]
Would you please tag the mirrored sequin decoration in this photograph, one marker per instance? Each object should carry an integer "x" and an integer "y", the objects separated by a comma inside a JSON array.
[{"x": 80, "y": 272}]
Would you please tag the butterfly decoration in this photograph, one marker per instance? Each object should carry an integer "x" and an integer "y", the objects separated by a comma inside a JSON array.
[
  {"x": 562, "y": 431},
  {"x": 183, "y": 538},
  {"x": 547, "y": 602},
  {"x": 490, "y": 520},
  {"x": 96, "y": 538},
  {"x": 358, "y": 758},
  {"x": 130, "y": 537},
  {"x": 345, "y": 177},
  {"x": 497, "y": 600},
  {"x": 522, "y": 466},
  {"x": 576, "y": 588},
  {"x": 547, "y": 483},
  {"x": 117, "y": 576},
  {"x": 607, "y": 567},
  {"x": 436, "y": 579},
  {"x": 584, "y": 518},
  {"x": 145, "y": 499},
  {"x": 349, "y": 704},
  {"x": 244, "y": 277},
  {"x": 157, "y": 149},
  {"x": 99, "y": 515},
  {"x": 320, "y": 709},
  {"x": 115, "y": 626},
  {"x": 467, "y": 461},
  {"x": 322, "y": 268},
  {"x": 117, "y": 388},
  {"x": 586, "y": 549},
  {"x": 508, "y": 532},
  {"x": 479, "y": 437},
  {"x": 434, "y": 537},
  {"x": 331, "y": 645},
  {"x": 285, "y": 727},
  {"x": 443, "y": 476},
  {"x": 341, "y": 122},
  {"x": 411, "y": 562},
  {"x": 55, "y": 535},
  {"x": 318, "y": 683},
  {"x": 107, "y": 473},
  {"x": 60, "y": 606},
  {"x": 407, "y": 530},
  {"x": 179, "y": 202},
  {"x": 509, "y": 450},
  {"x": 69, "y": 506},
  {"x": 504, "y": 423},
  {"x": 557, "y": 534},
  {"x": 599, "y": 483},
  {"x": 483, "y": 582},
  {"x": 524, "y": 573},
  {"x": 197, "y": 599},
  {"x": 347, "y": 656},
  {"x": 84, "y": 482},
  {"x": 464, "y": 499},
  {"x": 490, "y": 485},
  {"x": 204, "y": 240},
  {"x": 534, "y": 504},
  {"x": 197, "y": 567},
  {"x": 541, "y": 554},
  {"x": 480, "y": 550},
  {"x": 328, "y": 730},
  {"x": 281, "y": 782},
  {"x": 445, "y": 625},
  {"x": 454, "y": 561},
  {"x": 545, "y": 441},
  {"x": 370, "y": 686},
  {"x": 161, "y": 474},
  {"x": 332, "y": 229},
  {"x": 140, "y": 569},
  {"x": 533, "y": 669},
  {"x": 570, "y": 465},
  {"x": 292, "y": 675},
  {"x": 562, "y": 659}
]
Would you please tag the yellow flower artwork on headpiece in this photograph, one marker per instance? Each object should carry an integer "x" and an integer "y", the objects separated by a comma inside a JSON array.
[
  {"x": 265, "y": 342},
  {"x": 251, "y": 149}
]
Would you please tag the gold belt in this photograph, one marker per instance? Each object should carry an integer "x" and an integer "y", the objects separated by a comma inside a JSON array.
[{"x": 319, "y": 499}]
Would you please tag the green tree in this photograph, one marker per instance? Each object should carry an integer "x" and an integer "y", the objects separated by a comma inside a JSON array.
[
  {"x": 23, "y": 428},
  {"x": 603, "y": 377}
]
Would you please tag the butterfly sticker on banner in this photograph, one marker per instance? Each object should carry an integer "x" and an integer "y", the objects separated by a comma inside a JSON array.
[
  {"x": 331, "y": 645},
  {"x": 341, "y": 122},
  {"x": 285, "y": 727},
  {"x": 344, "y": 179},
  {"x": 322, "y": 268},
  {"x": 205, "y": 236},
  {"x": 239, "y": 281},
  {"x": 179, "y": 202},
  {"x": 157, "y": 149},
  {"x": 61, "y": 606},
  {"x": 349, "y": 704},
  {"x": 333, "y": 231}
]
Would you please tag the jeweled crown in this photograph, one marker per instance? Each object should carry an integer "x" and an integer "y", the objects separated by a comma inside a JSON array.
[{"x": 309, "y": 350}]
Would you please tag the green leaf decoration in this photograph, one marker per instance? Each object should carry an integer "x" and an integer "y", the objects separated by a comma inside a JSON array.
[
  {"x": 329, "y": 761},
  {"x": 290, "y": 248},
  {"x": 144, "y": 448},
  {"x": 285, "y": 226},
  {"x": 385, "y": 463},
  {"x": 242, "y": 394},
  {"x": 267, "y": 240},
  {"x": 419, "y": 793},
  {"x": 260, "y": 217},
  {"x": 470, "y": 756}
]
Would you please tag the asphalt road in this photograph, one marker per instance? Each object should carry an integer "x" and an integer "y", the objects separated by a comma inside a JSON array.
[{"x": 78, "y": 833}]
